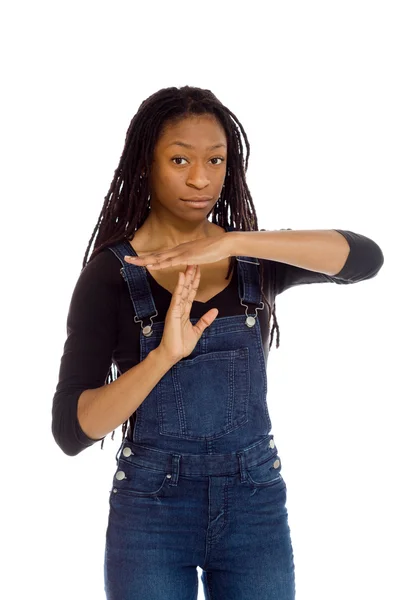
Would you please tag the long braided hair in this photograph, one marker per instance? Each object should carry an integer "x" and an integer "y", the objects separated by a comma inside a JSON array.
[{"x": 127, "y": 203}]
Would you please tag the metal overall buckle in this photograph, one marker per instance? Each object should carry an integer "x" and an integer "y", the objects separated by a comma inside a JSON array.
[
  {"x": 148, "y": 329},
  {"x": 250, "y": 321}
]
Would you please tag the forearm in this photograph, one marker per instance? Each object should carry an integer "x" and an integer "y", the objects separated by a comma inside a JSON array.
[
  {"x": 103, "y": 409},
  {"x": 324, "y": 251}
]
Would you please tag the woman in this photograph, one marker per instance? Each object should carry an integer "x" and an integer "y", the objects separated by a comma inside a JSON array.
[{"x": 180, "y": 307}]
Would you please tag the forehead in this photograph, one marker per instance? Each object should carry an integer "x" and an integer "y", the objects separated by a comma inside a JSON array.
[{"x": 200, "y": 132}]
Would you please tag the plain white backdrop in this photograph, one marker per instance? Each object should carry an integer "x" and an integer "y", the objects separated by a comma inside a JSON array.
[{"x": 316, "y": 87}]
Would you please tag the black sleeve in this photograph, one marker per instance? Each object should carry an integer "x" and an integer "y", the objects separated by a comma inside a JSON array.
[
  {"x": 91, "y": 337},
  {"x": 363, "y": 262}
]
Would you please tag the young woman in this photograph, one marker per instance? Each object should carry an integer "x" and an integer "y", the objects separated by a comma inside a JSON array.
[{"x": 172, "y": 343}]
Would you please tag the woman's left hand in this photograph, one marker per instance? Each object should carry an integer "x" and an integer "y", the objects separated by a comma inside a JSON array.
[{"x": 199, "y": 252}]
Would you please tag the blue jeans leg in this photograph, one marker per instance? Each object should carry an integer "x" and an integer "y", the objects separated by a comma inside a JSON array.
[{"x": 253, "y": 556}]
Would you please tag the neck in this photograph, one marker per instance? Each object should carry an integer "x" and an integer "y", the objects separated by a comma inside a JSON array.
[{"x": 157, "y": 234}]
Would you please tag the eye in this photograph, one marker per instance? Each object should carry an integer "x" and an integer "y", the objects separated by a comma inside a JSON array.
[
  {"x": 215, "y": 158},
  {"x": 178, "y": 158}
]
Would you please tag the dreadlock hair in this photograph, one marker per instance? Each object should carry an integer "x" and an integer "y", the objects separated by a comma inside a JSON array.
[{"x": 127, "y": 204}]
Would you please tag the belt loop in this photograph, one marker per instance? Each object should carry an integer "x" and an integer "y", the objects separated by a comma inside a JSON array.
[
  {"x": 175, "y": 469},
  {"x": 242, "y": 467}
]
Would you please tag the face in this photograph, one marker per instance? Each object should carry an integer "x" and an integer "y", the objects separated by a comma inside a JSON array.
[{"x": 189, "y": 161}]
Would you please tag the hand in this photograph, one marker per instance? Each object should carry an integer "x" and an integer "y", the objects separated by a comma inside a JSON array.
[
  {"x": 201, "y": 251},
  {"x": 179, "y": 335}
]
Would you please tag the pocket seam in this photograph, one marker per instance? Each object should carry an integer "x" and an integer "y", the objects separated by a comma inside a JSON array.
[
  {"x": 266, "y": 483},
  {"x": 216, "y": 354},
  {"x": 178, "y": 427},
  {"x": 130, "y": 492}
]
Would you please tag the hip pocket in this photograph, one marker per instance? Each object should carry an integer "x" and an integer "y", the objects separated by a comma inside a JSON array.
[
  {"x": 266, "y": 473},
  {"x": 135, "y": 480},
  {"x": 205, "y": 397}
]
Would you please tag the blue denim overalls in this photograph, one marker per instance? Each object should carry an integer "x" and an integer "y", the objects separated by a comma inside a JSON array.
[{"x": 200, "y": 485}]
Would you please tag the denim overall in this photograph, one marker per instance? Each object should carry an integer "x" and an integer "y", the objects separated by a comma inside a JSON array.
[{"x": 200, "y": 485}]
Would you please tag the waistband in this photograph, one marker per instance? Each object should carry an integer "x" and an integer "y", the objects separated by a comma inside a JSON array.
[{"x": 199, "y": 464}]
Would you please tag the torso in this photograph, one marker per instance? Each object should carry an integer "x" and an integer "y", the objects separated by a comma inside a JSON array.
[{"x": 213, "y": 276}]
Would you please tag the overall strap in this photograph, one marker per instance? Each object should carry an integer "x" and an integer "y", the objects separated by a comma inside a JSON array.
[
  {"x": 248, "y": 279},
  {"x": 139, "y": 288}
]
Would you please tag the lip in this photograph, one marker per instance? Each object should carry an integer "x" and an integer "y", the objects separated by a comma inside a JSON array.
[{"x": 197, "y": 201}]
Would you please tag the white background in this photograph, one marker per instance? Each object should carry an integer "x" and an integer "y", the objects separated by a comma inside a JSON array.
[{"x": 316, "y": 87}]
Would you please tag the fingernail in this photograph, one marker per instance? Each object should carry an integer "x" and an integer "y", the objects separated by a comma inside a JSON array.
[{"x": 130, "y": 257}]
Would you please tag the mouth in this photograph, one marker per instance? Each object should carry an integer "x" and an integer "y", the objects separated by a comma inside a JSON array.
[{"x": 200, "y": 203}]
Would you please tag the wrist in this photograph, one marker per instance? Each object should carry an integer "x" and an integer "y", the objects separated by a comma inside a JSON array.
[
  {"x": 162, "y": 358},
  {"x": 232, "y": 241}
]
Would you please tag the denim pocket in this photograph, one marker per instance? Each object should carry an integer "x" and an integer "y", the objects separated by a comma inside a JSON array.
[
  {"x": 266, "y": 473},
  {"x": 205, "y": 397},
  {"x": 135, "y": 480}
]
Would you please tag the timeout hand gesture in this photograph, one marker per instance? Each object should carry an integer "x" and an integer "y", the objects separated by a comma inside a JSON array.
[{"x": 180, "y": 336}]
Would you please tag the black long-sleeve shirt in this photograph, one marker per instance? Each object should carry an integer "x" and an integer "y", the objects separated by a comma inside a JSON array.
[{"x": 101, "y": 328}]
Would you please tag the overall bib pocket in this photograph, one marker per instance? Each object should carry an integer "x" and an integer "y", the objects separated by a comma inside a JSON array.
[
  {"x": 205, "y": 397},
  {"x": 131, "y": 479}
]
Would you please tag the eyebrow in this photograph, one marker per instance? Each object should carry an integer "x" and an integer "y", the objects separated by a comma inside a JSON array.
[{"x": 178, "y": 143}]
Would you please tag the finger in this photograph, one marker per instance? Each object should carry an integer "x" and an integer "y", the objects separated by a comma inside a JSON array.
[
  {"x": 164, "y": 262},
  {"x": 156, "y": 260},
  {"x": 135, "y": 259},
  {"x": 159, "y": 252},
  {"x": 177, "y": 293},
  {"x": 205, "y": 321},
  {"x": 187, "y": 293},
  {"x": 181, "y": 289},
  {"x": 187, "y": 286},
  {"x": 160, "y": 263},
  {"x": 193, "y": 288},
  {"x": 187, "y": 307}
]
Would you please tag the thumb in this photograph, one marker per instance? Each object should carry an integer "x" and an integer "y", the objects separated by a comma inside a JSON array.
[{"x": 206, "y": 320}]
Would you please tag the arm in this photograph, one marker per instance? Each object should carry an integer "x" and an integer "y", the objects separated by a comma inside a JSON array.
[
  {"x": 103, "y": 409},
  {"x": 92, "y": 339},
  {"x": 323, "y": 251}
]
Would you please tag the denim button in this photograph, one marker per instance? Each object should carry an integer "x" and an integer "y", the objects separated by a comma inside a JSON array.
[
  {"x": 126, "y": 451},
  {"x": 120, "y": 475},
  {"x": 169, "y": 476},
  {"x": 271, "y": 444},
  {"x": 277, "y": 463}
]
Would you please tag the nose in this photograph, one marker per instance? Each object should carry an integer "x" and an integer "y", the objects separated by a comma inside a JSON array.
[{"x": 197, "y": 177}]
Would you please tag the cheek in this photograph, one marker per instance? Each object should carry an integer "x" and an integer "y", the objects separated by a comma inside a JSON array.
[
  {"x": 167, "y": 185},
  {"x": 169, "y": 179}
]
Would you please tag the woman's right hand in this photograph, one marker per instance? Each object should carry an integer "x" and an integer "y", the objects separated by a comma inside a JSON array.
[{"x": 180, "y": 336}]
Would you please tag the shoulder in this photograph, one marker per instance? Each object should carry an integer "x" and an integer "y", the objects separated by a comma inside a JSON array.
[
  {"x": 100, "y": 281},
  {"x": 103, "y": 268},
  {"x": 97, "y": 292}
]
